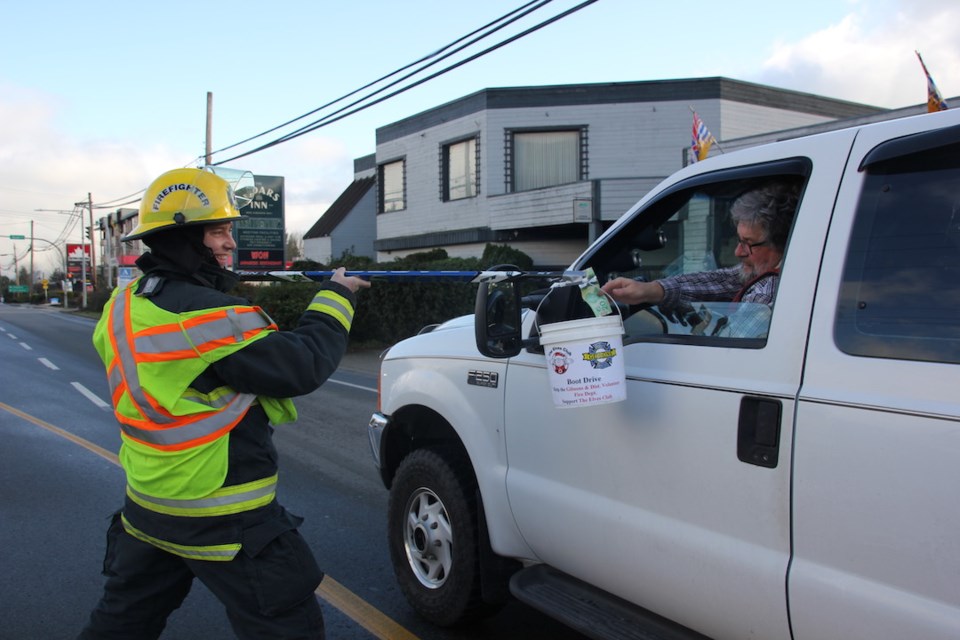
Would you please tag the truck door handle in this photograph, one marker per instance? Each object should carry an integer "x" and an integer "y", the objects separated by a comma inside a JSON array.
[{"x": 758, "y": 431}]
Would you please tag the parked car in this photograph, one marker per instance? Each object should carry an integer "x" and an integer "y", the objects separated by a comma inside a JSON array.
[{"x": 799, "y": 482}]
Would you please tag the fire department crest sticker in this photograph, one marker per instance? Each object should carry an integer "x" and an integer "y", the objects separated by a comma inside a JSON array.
[{"x": 600, "y": 355}]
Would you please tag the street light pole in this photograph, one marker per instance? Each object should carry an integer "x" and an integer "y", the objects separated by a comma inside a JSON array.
[
  {"x": 63, "y": 260},
  {"x": 78, "y": 211},
  {"x": 88, "y": 204}
]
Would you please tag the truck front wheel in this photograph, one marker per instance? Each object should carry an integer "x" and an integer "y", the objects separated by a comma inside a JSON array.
[{"x": 433, "y": 537}]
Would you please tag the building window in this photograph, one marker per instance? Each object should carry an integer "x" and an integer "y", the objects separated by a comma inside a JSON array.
[
  {"x": 537, "y": 159},
  {"x": 391, "y": 178},
  {"x": 460, "y": 178}
]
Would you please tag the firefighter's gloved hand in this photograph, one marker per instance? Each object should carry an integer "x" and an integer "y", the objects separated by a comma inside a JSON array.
[{"x": 350, "y": 282}]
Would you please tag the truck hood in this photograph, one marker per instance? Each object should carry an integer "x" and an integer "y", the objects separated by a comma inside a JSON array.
[{"x": 454, "y": 338}]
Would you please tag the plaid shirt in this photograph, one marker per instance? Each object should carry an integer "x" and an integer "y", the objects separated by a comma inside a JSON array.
[
  {"x": 723, "y": 285},
  {"x": 718, "y": 285}
]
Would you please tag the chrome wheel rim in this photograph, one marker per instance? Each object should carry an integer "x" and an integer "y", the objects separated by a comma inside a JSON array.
[{"x": 428, "y": 538}]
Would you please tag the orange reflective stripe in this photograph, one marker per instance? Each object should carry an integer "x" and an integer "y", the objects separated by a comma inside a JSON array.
[
  {"x": 157, "y": 427},
  {"x": 200, "y": 334},
  {"x": 175, "y": 437}
]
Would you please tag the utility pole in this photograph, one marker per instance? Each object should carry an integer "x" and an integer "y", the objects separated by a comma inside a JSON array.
[
  {"x": 93, "y": 254},
  {"x": 209, "y": 148},
  {"x": 83, "y": 272},
  {"x": 31, "y": 257}
]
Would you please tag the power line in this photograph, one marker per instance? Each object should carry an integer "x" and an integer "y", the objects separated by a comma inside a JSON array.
[
  {"x": 329, "y": 119},
  {"x": 109, "y": 204},
  {"x": 393, "y": 73},
  {"x": 489, "y": 29}
]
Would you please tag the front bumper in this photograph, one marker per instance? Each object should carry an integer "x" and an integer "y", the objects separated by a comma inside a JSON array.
[{"x": 375, "y": 429}]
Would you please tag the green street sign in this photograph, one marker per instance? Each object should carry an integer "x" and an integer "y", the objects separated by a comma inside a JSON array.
[
  {"x": 16, "y": 237},
  {"x": 19, "y": 288}
]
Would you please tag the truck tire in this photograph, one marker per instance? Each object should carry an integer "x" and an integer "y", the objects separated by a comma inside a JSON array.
[{"x": 433, "y": 537}]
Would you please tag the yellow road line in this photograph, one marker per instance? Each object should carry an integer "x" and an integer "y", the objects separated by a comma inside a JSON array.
[
  {"x": 86, "y": 444},
  {"x": 364, "y": 614},
  {"x": 339, "y": 597}
]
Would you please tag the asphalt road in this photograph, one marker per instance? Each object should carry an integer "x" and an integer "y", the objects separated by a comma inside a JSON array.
[{"x": 59, "y": 483}]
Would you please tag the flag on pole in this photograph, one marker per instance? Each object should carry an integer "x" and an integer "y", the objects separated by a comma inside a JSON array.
[
  {"x": 935, "y": 101},
  {"x": 701, "y": 141}
]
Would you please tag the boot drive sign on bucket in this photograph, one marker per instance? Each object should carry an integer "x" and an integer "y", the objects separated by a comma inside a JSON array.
[{"x": 585, "y": 361}]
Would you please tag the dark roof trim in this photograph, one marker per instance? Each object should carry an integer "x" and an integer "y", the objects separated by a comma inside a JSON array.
[
  {"x": 481, "y": 234},
  {"x": 365, "y": 163},
  {"x": 716, "y": 88},
  {"x": 431, "y": 240},
  {"x": 341, "y": 207}
]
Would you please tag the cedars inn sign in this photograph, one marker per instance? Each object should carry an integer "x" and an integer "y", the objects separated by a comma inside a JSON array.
[{"x": 260, "y": 232}]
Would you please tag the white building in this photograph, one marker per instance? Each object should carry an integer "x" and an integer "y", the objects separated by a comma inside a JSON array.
[{"x": 543, "y": 169}]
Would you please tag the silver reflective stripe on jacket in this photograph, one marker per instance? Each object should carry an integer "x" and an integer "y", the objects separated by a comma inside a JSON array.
[
  {"x": 234, "y": 326},
  {"x": 226, "y": 500},
  {"x": 174, "y": 430}
]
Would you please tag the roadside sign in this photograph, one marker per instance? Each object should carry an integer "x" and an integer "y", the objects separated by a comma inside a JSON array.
[
  {"x": 124, "y": 276},
  {"x": 260, "y": 232},
  {"x": 19, "y": 288}
]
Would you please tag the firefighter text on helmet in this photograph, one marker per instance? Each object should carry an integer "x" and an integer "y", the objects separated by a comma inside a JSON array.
[{"x": 185, "y": 197}]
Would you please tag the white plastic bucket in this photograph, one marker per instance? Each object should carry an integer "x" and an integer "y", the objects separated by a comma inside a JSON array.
[{"x": 585, "y": 361}]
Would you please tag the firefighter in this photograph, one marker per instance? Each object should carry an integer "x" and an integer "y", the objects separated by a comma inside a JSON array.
[{"x": 197, "y": 378}]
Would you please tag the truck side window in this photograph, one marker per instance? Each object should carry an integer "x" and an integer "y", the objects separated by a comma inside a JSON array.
[
  {"x": 716, "y": 247},
  {"x": 900, "y": 293}
]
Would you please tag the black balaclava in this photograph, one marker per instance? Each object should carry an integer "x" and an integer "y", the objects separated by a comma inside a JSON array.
[{"x": 180, "y": 251}]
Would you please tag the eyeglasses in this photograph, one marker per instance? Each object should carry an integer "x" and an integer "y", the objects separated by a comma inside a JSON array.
[{"x": 748, "y": 246}]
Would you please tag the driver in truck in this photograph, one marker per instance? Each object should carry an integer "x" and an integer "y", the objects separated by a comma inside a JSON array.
[{"x": 763, "y": 217}]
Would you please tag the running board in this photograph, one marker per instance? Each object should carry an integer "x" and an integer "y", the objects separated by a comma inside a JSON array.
[{"x": 592, "y": 612}]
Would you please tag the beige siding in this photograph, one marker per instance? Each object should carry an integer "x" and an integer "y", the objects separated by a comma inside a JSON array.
[
  {"x": 537, "y": 208},
  {"x": 425, "y": 211},
  {"x": 741, "y": 120},
  {"x": 631, "y": 147},
  {"x": 618, "y": 196}
]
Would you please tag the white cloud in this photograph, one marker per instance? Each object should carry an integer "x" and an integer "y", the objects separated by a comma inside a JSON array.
[
  {"x": 866, "y": 56},
  {"x": 42, "y": 166},
  {"x": 869, "y": 57},
  {"x": 316, "y": 169}
]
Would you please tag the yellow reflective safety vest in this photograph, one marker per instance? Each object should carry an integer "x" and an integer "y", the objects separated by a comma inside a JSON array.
[{"x": 175, "y": 447}]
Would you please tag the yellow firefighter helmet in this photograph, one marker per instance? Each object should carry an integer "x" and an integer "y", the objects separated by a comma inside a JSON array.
[{"x": 185, "y": 197}]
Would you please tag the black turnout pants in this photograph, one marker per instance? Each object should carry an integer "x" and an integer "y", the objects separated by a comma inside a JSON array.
[{"x": 268, "y": 592}]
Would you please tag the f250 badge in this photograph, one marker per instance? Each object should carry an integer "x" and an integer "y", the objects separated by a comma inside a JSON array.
[{"x": 483, "y": 378}]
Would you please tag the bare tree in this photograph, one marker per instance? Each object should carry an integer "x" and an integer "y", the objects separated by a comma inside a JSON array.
[{"x": 294, "y": 244}]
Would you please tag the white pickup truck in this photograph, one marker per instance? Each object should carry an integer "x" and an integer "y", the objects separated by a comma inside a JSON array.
[{"x": 798, "y": 483}]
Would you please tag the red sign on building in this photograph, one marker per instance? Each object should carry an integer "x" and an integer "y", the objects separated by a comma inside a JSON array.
[{"x": 76, "y": 255}]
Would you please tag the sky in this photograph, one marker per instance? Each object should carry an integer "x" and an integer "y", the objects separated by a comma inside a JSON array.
[{"x": 100, "y": 97}]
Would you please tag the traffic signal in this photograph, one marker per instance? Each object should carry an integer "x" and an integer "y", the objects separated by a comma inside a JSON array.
[{"x": 86, "y": 232}]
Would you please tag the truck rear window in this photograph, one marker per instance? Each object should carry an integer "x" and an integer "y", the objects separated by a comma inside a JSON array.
[{"x": 900, "y": 296}]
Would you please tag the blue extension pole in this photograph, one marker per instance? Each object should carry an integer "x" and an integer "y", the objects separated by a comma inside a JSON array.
[{"x": 410, "y": 276}]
